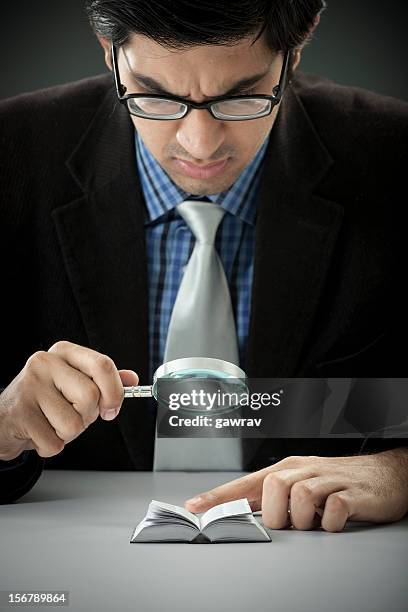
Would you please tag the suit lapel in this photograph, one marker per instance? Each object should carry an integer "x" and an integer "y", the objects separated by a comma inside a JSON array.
[
  {"x": 295, "y": 234},
  {"x": 102, "y": 240},
  {"x": 296, "y": 231}
]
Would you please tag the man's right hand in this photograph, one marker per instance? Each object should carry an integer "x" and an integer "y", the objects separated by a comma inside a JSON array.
[{"x": 56, "y": 396}]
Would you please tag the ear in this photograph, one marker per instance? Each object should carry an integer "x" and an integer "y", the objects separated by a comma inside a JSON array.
[
  {"x": 106, "y": 46},
  {"x": 297, "y": 53}
]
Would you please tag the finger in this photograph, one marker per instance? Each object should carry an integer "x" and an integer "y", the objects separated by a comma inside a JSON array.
[
  {"x": 129, "y": 378},
  {"x": 276, "y": 491},
  {"x": 338, "y": 508},
  {"x": 246, "y": 486},
  {"x": 100, "y": 368},
  {"x": 80, "y": 392},
  {"x": 306, "y": 497},
  {"x": 43, "y": 437},
  {"x": 249, "y": 486},
  {"x": 67, "y": 423},
  {"x": 255, "y": 505}
]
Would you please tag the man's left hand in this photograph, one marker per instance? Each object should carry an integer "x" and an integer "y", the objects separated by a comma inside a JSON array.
[{"x": 309, "y": 491}]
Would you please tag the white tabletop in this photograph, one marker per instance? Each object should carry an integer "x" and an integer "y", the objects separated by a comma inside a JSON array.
[{"x": 72, "y": 532}]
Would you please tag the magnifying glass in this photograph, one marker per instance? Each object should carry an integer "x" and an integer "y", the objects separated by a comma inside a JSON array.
[{"x": 199, "y": 374}]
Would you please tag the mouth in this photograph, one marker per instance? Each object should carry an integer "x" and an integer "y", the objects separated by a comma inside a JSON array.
[{"x": 200, "y": 171}]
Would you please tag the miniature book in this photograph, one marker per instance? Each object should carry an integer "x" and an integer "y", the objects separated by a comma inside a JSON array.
[{"x": 229, "y": 522}]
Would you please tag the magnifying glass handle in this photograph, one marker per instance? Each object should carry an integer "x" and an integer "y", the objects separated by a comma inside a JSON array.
[{"x": 139, "y": 391}]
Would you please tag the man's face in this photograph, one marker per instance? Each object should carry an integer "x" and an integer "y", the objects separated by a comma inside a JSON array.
[{"x": 199, "y": 73}]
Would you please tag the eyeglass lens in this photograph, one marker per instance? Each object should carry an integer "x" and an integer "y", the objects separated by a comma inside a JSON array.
[{"x": 162, "y": 107}]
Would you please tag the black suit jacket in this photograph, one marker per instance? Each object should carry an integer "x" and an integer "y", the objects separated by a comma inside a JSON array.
[{"x": 329, "y": 263}]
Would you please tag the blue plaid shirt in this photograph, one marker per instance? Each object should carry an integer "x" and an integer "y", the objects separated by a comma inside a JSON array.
[{"x": 169, "y": 243}]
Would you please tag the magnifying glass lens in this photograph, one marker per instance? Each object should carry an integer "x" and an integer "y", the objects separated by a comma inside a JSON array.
[
  {"x": 195, "y": 385},
  {"x": 197, "y": 390}
]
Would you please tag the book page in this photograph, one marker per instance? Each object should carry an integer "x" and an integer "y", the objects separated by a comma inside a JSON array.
[
  {"x": 242, "y": 528},
  {"x": 232, "y": 508},
  {"x": 163, "y": 508}
]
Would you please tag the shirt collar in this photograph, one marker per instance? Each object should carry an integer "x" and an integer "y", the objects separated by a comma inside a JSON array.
[{"x": 163, "y": 195}]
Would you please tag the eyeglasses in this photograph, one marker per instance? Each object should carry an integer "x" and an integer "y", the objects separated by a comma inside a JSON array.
[{"x": 167, "y": 108}]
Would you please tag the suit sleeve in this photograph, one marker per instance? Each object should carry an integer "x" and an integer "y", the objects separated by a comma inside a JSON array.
[{"x": 19, "y": 475}]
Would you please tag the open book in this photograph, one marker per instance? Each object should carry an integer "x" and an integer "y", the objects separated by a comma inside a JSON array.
[{"x": 229, "y": 522}]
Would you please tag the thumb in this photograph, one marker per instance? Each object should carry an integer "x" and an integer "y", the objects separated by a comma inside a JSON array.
[{"x": 129, "y": 378}]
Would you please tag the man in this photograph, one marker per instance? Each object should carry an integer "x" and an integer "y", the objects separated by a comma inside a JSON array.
[{"x": 95, "y": 245}]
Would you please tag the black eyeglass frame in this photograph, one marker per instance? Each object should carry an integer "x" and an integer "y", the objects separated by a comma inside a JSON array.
[{"x": 275, "y": 99}]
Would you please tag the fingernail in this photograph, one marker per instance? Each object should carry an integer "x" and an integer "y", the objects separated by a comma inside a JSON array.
[
  {"x": 110, "y": 414},
  {"x": 194, "y": 500}
]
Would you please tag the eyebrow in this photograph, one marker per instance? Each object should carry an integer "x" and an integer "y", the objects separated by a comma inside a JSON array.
[{"x": 240, "y": 85}]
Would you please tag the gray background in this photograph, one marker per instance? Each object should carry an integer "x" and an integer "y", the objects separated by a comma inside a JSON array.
[
  {"x": 359, "y": 42},
  {"x": 72, "y": 531}
]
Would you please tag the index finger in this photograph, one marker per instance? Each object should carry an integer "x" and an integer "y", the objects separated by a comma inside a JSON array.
[
  {"x": 99, "y": 367},
  {"x": 249, "y": 486},
  {"x": 246, "y": 486}
]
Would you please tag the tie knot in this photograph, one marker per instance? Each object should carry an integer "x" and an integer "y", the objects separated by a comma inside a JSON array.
[{"x": 203, "y": 218}]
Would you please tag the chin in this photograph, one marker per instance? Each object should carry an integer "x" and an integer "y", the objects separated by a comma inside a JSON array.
[{"x": 203, "y": 187}]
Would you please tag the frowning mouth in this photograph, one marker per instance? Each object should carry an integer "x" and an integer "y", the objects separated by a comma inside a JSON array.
[{"x": 200, "y": 171}]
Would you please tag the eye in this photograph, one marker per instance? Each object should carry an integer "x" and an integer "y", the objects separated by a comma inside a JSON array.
[{"x": 247, "y": 92}]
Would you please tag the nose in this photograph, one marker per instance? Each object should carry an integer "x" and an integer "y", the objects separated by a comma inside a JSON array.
[{"x": 200, "y": 134}]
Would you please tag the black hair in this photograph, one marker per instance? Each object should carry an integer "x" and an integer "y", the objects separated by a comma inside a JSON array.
[{"x": 178, "y": 24}]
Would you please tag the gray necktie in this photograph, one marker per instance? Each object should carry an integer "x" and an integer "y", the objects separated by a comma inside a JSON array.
[{"x": 201, "y": 325}]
